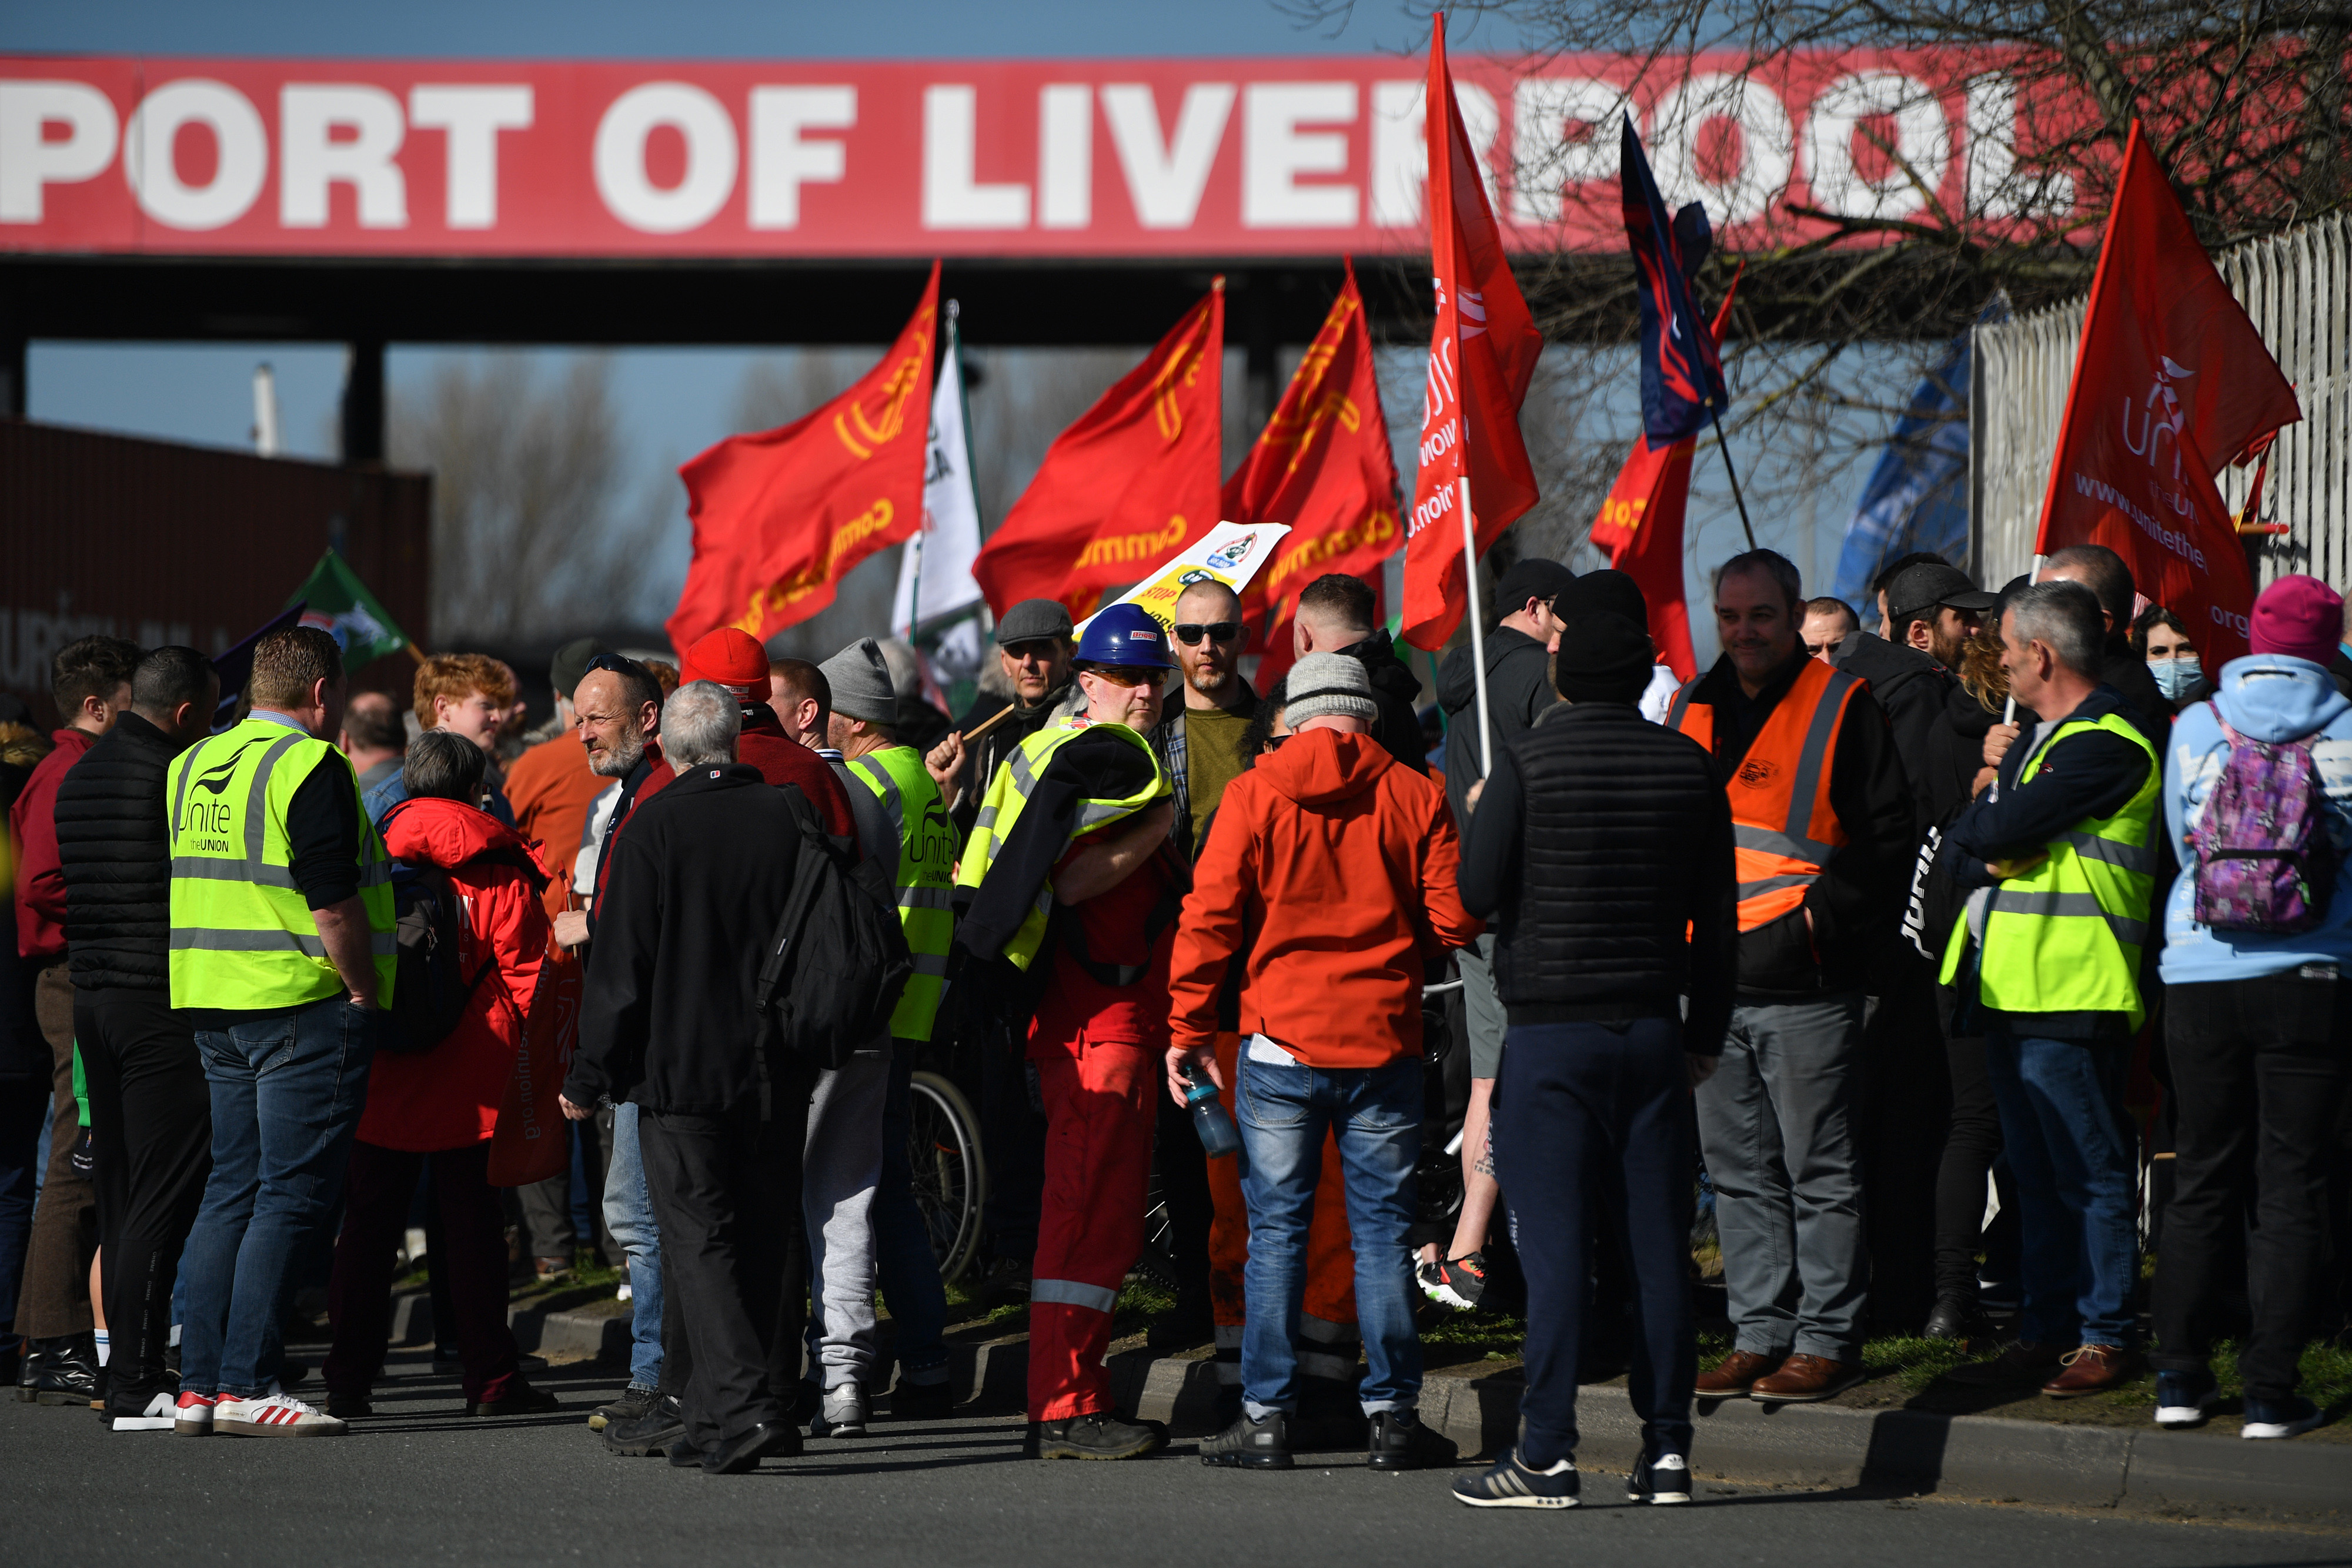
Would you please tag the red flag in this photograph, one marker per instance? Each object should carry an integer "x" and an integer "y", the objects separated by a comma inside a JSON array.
[
  {"x": 1127, "y": 486},
  {"x": 2171, "y": 381},
  {"x": 1324, "y": 467},
  {"x": 780, "y": 517},
  {"x": 1482, "y": 353},
  {"x": 1640, "y": 527}
]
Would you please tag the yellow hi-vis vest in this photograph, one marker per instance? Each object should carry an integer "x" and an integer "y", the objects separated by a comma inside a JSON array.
[
  {"x": 242, "y": 934},
  {"x": 2066, "y": 936},
  {"x": 1009, "y": 791},
  {"x": 927, "y": 852}
]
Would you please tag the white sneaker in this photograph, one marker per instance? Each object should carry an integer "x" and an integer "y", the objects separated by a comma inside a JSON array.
[
  {"x": 193, "y": 1416},
  {"x": 843, "y": 1413},
  {"x": 162, "y": 1414},
  {"x": 274, "y": 1415}
]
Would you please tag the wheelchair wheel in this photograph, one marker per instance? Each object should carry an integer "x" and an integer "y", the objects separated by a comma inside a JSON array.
[{"x": 950, "y": 1175}]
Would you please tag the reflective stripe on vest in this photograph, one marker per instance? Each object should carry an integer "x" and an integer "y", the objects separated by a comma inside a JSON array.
[
  {"x": 1009, "y": 792},
  {"x": 243, "y": 936},
  {"x": 2066, "y": 936},
  {"x": 925, "y": 876},
  {"x": 1783, "y": 827}
]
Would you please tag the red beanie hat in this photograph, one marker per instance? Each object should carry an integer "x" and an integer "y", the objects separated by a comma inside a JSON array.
[
  {"x": 2298, "y": 618},
  {"x": 732, "y": 659}
]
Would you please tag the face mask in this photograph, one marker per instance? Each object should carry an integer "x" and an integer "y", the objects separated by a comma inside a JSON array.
[{"x": 2174, "y": 676}]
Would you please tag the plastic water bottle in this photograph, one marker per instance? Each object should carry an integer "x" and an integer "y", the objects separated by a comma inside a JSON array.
[{"x": 1219, "y": 1136}]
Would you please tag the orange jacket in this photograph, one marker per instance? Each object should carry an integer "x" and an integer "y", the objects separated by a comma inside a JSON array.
[{"x": 1330, "y": 870}]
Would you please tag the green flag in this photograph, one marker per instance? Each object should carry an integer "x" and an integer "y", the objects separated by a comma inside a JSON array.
[{"x": 338, "y": 602}]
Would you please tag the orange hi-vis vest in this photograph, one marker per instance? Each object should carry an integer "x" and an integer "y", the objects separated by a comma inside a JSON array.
[{"x": 1782, "y": 821}]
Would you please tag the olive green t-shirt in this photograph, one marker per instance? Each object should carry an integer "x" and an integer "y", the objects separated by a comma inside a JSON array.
[{"x": 1212, "y": 759}]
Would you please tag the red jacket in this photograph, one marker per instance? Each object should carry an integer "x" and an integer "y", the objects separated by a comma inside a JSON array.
[
  {"x": 40, "y": 883},
  {"x": 449, "y": 1097},
  {"x": 1330, "y": 870},
  {"x": 552, "y": 791}
]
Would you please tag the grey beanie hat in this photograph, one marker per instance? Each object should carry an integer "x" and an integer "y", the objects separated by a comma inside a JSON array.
[
  {"x": 861, "y": 683},
  {"x": 1329, "y": 684}
]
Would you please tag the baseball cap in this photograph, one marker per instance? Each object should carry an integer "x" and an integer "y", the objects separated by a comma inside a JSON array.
[{"x": 1931, "y": 584}]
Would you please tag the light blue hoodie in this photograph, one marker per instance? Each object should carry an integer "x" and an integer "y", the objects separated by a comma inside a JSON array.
[{"x": 2266, "y": 696}]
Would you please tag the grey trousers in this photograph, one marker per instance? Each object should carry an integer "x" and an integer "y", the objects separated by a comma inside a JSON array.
[
  {"x": 1775, "y": 1126},
  {"x": 840, "y": 1168}
]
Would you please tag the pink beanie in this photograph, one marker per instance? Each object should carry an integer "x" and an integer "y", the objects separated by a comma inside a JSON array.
[{"x": 2299, "y": 617}]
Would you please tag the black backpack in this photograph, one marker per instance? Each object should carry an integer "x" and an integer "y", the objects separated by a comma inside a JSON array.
[
  {"x": 429, "y": 990},
  {"x": 838, "y": 956}
]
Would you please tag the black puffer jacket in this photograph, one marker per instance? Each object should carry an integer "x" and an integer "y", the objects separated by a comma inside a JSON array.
[
  {"x": 1599, "y": 840},
  {"x": 114, "y": 848}
]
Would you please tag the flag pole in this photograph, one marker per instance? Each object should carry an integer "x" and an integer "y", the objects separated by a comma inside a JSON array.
[
  {"x": 1477, "y": 630},
  {"x": 1724, "y": 446}
]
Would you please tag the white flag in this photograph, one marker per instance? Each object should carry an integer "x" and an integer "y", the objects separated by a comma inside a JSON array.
[{"x": 935, "y": 567}]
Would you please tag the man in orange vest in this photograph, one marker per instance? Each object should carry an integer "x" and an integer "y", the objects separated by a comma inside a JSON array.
[{"x": 1821, "y": 815}]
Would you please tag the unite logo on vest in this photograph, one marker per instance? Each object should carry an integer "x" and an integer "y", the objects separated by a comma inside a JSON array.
[{"x": 1782, "y": 821}]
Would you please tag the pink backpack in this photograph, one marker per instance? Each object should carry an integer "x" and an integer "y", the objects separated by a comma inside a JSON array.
[{"x": 2264, "y": 861}]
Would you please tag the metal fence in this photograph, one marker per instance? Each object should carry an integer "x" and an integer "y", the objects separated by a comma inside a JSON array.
[{"x": 2297, "y": 288}]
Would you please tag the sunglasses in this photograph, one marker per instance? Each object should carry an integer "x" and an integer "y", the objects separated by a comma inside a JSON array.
[
  {"x": 616, "y": 663},
  {"x": 1190, "y": 633}
]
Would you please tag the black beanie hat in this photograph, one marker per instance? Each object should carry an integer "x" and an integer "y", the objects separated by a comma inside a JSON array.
[
  {"x": 1603, "y": 658},
  {"x": 1530, "y": 578},
  {"x": 1605, "y": 592}
]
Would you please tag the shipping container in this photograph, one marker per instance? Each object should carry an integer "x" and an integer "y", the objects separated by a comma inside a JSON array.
[{"x": 162, "y": 542}]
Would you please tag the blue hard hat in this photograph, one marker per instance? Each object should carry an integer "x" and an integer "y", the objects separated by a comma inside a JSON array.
[{"x": 1125, "y": 634}]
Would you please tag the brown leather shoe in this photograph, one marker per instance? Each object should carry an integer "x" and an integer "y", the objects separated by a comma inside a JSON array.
[
  {"x": 2089, "y": 1368},
  {"x": 2024, "y": 1362},
  {"x": 1802, "y": 1379},
  {"x": 1733, "y": 1375}
]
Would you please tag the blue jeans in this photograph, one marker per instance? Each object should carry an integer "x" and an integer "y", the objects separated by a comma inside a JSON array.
[
  {"x": 1375, "y": 1114},
  {"x": 904, "y": 1264},
  {"x": 2061, "y": 1126},
  {"x": 629, "y": 1216},
  {"x": 286, "y": 1093}
]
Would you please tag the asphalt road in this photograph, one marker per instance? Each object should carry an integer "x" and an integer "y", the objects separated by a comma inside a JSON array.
[{"x": 423, "y": 1483}]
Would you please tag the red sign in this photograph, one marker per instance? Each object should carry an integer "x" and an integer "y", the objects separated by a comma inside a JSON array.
[{"x": 1062, "y": 157}]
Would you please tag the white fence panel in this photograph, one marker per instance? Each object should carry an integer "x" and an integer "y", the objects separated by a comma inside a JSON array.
[{"x": 2297, "y": 288}]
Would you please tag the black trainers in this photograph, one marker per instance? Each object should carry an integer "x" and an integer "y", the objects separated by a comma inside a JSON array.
[
  {"x": 1402, "y": 1440},
  {"x": 742, "y": 1454},
  {"x": 345, "y": 1406},
  {"x": 1455, "y": 1282},
  {"x": 922, "y": 1401},
  {"x": 1251, "y": 1445},
  {"x": 634, "y": 1400},
  {"x": 1100, "y": 1436},
  {"x": 1511, "y": 1484},
  {"x": 519, "y": 1399},
  {"x": 2184, "y": 1398},
  {"x": 649, "y": 1434},
  {"x": 2271, "y": 1418},
  {"x": 1663, "y": 1480}
]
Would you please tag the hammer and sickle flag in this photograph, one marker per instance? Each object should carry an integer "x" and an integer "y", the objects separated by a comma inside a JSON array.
[
  {"x": 1129, "y": 485},
  {"x": 783, "y": 515}
]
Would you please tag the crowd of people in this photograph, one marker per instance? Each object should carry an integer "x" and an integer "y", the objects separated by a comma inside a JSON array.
[{"x": 1828, "y": 937}]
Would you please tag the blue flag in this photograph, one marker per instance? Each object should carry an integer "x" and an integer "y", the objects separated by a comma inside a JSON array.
[
  {"x": 1918, "y": 496},
  {"x": 1682, "y": 375}
]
